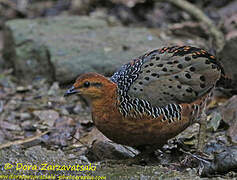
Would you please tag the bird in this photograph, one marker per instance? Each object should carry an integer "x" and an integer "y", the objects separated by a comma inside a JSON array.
[{"x": 153, "y": 97}]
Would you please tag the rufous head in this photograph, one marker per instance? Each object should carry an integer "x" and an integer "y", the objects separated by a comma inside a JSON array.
[{"x": 91, "y": 85}]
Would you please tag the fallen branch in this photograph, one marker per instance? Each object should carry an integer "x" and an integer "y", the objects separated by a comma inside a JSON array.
[
  {"x": 217, "y": 35},
  {"x": 19, "y": 8},
  {"x": 22, "y": 141}
]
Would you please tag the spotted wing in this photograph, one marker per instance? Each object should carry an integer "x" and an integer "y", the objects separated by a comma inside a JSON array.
[
  {"x": 175, "y": 75},
  {"x": 169, "y": 75}
]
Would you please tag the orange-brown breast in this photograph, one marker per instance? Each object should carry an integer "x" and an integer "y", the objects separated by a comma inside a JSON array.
[{"x": 143, "y": 130}]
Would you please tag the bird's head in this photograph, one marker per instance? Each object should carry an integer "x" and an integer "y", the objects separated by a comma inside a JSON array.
[{"x": 91, "y": 85}]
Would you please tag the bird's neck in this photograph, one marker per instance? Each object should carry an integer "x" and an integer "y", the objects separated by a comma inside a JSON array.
[
  {"x": 105, "y": 113},
  {"x": 107, "y": 101}
]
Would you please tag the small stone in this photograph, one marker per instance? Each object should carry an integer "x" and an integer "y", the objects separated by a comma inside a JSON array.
[
  {"x": 24, "y": 116},
  {"x": 47, "y": 116},
  {"x": 23, "y": 88}
]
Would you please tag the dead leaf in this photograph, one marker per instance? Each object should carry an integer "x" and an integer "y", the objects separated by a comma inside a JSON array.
[
  {"x": 90, "y": 137},
  {"x": 215, "y": 119}
]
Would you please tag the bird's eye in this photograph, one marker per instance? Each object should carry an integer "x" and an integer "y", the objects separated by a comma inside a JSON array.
[{"x": 86, "y": 84}]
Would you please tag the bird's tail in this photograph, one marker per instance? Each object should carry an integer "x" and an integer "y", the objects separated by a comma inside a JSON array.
[{"x": 225, "y": 82}]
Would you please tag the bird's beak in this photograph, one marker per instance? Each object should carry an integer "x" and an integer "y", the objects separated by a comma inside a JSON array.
[{"x": 71, "y": 91}]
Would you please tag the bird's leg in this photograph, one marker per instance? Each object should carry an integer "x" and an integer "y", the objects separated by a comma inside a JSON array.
[{"x": 202, "y": 130}]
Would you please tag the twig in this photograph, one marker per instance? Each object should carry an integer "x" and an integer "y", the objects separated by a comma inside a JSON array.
[
  {"x": 22, "y": 141},
  {"x": 195, "y": 156},
  {"x": 199, "y": 15},
  {"x": 85, "y": 145}
]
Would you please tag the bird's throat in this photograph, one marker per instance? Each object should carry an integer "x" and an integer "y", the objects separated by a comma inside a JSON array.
[{"x": 105, "y": 103}]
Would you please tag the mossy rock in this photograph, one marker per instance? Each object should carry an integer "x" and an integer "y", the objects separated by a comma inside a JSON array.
[{"x": 60, "y": 48}]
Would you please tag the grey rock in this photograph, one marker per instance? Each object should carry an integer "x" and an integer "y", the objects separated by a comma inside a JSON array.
[
  {"x": 109, "y": 150},
  {"x": 229, "y": 59},
  {"x": 60, "y": 48},
  {"x": 1, "y": 64},
  {"x": 225, "y": 160},
  {"x": 229, "y": 114}
]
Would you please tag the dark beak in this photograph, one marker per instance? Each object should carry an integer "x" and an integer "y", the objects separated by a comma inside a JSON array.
[{"x": 71, "y": 91}]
